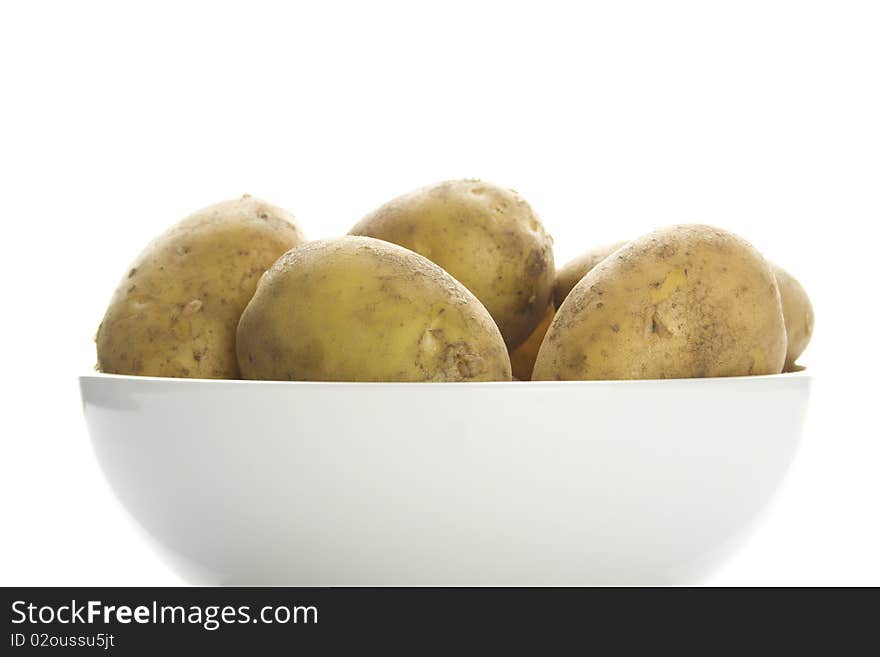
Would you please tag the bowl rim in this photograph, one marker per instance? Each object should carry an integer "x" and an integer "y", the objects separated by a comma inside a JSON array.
[{"x": 801, "y": 373}]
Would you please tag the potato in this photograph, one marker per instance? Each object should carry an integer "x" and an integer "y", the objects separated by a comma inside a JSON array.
[
  {"x": 360, "y": 309},
  {"x": 176, "y": 310},
  {"x": 684, "y": 301},
  {"x": 575, "y": 270},
  {"x": 798, "y": 313},
  {"x": 522, "y": 359},
  {"x": 486, "y": 237}
]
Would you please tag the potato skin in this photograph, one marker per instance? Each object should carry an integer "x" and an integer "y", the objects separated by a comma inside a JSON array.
[
  {"x": 176, "y": 310},
  {"x": 522, "y": 359},
  {"x": 576, "y": 269},
  {"x": 798, "y": 313},
  {"x": 360, "y": 309},
  {"x": 683, "y": 301},
  {"x": 486, "y": 237}
]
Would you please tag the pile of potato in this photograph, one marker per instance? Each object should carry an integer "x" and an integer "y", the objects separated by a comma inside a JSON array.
[{"x": 452, "y": 282}]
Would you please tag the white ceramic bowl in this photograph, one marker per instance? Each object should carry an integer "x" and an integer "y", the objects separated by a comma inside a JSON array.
[{"x": 321, "y": 484}]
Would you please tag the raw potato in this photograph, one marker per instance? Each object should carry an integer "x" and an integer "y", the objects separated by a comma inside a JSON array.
[
  {"x": 176, "y": 310},
  {"x": 486, "y": 237},
  {"x": 798, "y": 313},
  {"x": 575, "y": 270},
  {"x": 360, "y": 309},
  {"x": 684, "y": 301},
  {"x": 522, "y": 359}
]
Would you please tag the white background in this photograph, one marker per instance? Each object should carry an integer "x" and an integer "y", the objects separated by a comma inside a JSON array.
[{"x": 610, "y": 118}]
